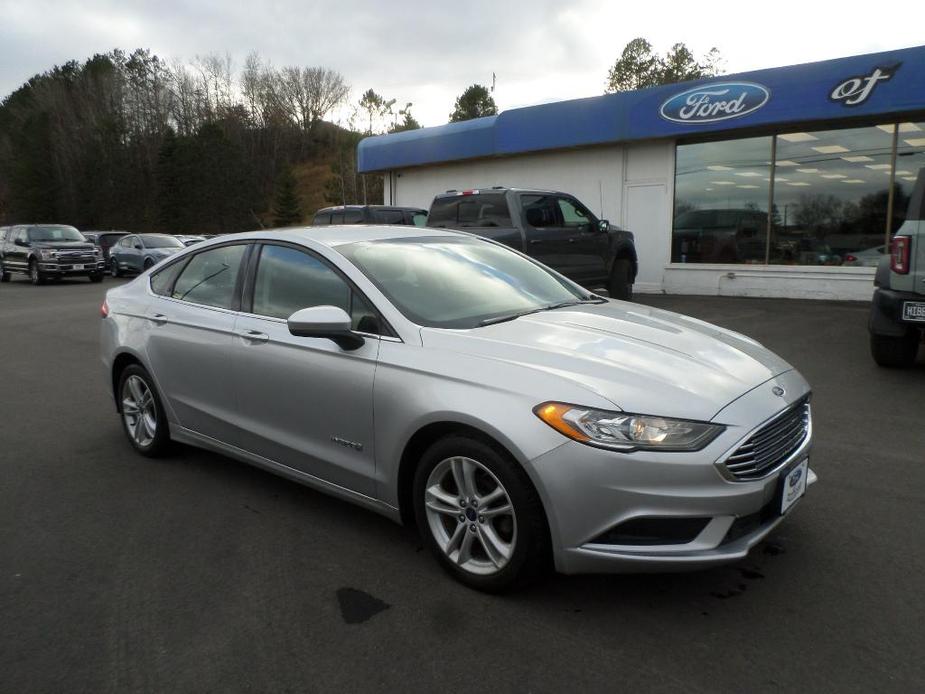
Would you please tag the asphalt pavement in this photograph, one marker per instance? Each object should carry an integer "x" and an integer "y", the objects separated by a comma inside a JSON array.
[{"x": 199, "y": 574}]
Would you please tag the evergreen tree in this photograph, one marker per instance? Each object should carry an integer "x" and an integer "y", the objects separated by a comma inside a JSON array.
[
  {"x": 286, "y": 208},
  {"x": 475, "y": 102}
]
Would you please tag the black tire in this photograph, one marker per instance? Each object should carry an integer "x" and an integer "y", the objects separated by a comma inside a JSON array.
[
  {"x": 529, "y": 560},
  {"x": 114, "y": 268},
  {"x": 35, "y": 276},
  {"x": 895, "y": 352},
  {"x": 4, "y": 276},
  {"x": 621, "y": 280},
  {"x": 160, "y": 443},
  {"x": 148, "y": 264},
  {"x": 96, "y": 277}
]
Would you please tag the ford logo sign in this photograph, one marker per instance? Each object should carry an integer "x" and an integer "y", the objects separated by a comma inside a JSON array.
[
  {"x": 709, "y": 103},
  {"x": 795, "y": 477}
]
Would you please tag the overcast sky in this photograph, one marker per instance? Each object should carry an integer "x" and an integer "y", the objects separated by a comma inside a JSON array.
[{"x": 427, "y": 51}]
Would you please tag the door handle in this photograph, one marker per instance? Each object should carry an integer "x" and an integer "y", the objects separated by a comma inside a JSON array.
[
  {"x": 572, "y": 240},
  {"x": 158, "y": 318},
  {"x": 253, "y": 335},
  {"x": 536, "y": 241}
]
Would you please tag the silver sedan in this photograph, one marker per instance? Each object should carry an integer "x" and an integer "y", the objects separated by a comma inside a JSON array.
[{"x": 443, "y": 380}]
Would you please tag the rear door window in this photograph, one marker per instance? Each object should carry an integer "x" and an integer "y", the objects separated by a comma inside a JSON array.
[
  {"x": 210, "y": 277},
  {"x": 541, "y": 211},
  {"x": 464, "y": 211},
  {"x": 388, "y": 216},
  {"x": 353, "y": 216},
  {"x": 322, "y": 219}
]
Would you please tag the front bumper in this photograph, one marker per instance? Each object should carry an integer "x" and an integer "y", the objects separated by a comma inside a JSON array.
[
  {"x": 53, "y": 267},
  {"x": 591, "y": 495}
]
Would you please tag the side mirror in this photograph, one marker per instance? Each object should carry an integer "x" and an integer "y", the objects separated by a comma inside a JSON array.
[
  {"x": 139, "y": 247},
  {"x": 20, "y": 242},
  {"x": 603, "y": 226},
  {"x": 325, "y": 321}
]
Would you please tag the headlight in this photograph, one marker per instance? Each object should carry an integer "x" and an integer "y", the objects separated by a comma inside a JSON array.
[
  {"x": 47, "y": 253},
  {"x": 624, "y": 431}
]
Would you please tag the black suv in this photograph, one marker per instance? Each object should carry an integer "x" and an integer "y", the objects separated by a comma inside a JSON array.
[
  {"x": 49, "y": 251},
  {"x": 370, "y": 214},
  {"x": 555, "y": 228},
  {"x": 104, "y": 240}
]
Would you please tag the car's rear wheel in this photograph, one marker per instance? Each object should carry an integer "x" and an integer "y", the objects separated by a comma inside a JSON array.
[
  {"x": 479, "y": 514},
  {"x": 895, "y": 352},
  {"x": 114, "y": 267},
  {"x": 35, "y": 275},
  {"x": 621, "y": 280},
  {"x": 143, "y": 417}
]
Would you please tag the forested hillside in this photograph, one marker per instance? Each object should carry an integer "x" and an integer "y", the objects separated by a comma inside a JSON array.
[{"x": 134, "y": 142}]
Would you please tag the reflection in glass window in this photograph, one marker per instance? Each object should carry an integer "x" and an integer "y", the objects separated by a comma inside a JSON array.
[
  {"x": 209, "y": 277},
  {"x": 289, "y": 280},
  {"x": 831, "y": 191},
  {"x": 721, "y": 201}
]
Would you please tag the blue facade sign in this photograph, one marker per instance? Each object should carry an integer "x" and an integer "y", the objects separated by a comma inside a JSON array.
[
  {"x": 882, "y": 86},
  {"x": 709, "y": 103}
]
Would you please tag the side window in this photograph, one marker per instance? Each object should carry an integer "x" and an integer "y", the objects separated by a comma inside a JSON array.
[
  {"x": 573, "y": 215},
  {"x": 540, "y": 211},
  {"x": 337, "y": 217},
  {"x": 388, "y": 217},
  {"x": 209, "y": 278},
  {"x": 322, "y": 219},
  {"x": 288, "y": 280},
  {"x": 162, "y": 280},
  {"x": 353, "y": 216},
  {"x": 419, "y": 219}
]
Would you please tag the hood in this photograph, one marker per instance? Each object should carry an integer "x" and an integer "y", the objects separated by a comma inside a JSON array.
[
  {"x": 643, "y": 360},
  {"x": 64, "y": 245}
]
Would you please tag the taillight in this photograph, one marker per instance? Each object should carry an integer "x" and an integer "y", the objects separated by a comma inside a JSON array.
[
  {"x": 850, "y": 258},
  {"x": 104, "y": 309},
  {"x": 899, "y": 254}
]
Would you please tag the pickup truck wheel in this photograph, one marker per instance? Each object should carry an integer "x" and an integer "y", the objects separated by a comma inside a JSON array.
[
  {"x": 895, "y": 352},
  {"x": 621, "y": 280},
  {"x": 96, "y": 277},
  {"x": 34, "y": 275},
  {"x": 4, "y": 276},
  {"x": 479, "y": 515}
]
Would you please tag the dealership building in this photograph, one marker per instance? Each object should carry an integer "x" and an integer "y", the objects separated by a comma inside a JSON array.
[{"x": 782, "y": 182}]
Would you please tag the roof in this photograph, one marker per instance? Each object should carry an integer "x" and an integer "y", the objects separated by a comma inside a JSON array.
[
  {"x": 404, "y": 208},
  {"x": 822, "y": 91},
  {"x": 338, "y": 235}
]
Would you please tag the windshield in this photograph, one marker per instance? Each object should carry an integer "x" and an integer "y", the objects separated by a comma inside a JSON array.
[
  {"x": 156, "y": 241},
  {"x": 458, "y": 282},
  {"x": 55, "y": 233}
]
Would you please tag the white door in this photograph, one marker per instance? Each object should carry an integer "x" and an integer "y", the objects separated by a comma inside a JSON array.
[{"x": 646, "y": 215}]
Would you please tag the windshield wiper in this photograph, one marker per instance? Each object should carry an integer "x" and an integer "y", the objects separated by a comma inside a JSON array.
[{"x": 550, "y": 307}]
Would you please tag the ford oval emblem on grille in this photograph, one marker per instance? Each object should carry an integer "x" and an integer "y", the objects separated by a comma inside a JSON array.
[
  {"x": 778, "y": 391},
  {"x": 795, "y": 477},
  {"x": 709, "y": 103}
]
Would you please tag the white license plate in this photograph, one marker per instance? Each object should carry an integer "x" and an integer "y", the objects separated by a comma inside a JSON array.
[
  {"x": 77, "y": 267},
  {"x": 793, "y": 485},
  {"x": 914, "y": 310}
]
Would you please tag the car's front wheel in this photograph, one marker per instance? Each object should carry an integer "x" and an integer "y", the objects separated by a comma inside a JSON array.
[
  {"x": 35, "y": 274},
  {"x": 479, "y": 514},
  {"x": 114, "y": 267},
  {"x": 895, "y": 352},
  {"x": 143, "y": 417},
  {"x": 4, "y": 275}
]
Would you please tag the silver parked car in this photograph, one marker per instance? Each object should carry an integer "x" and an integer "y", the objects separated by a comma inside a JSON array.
[
  {"x": 139, "y": 252},
  {"x": 446, "y": 380}
]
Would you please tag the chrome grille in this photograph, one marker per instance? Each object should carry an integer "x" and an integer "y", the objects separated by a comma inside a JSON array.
[{"x": 772, "y": 444}]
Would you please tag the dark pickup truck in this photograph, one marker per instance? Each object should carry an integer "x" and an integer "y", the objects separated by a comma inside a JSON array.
[{"x": 554, "y": 228}]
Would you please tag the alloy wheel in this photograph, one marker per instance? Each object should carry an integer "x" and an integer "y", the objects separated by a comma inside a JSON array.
[
  {"x": 138, "y": 411},
  {"x": 470, "y": 515}
]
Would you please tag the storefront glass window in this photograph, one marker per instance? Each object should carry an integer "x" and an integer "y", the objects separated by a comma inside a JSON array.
[
  {"x": 721, "y": 201},
  {"x": 831, "y": 196},
  {"x": 831, "y": 192}
]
